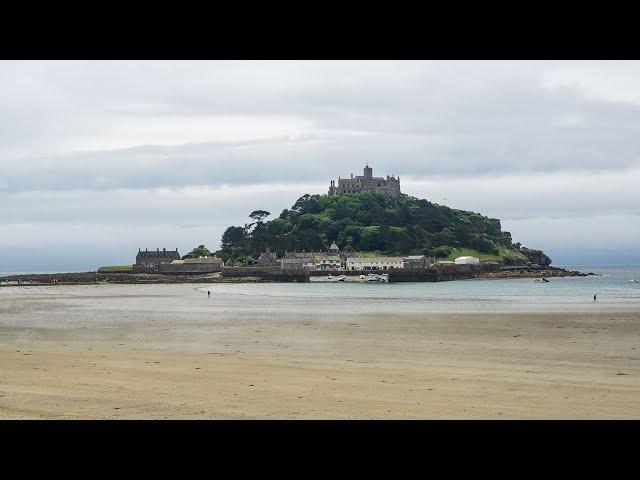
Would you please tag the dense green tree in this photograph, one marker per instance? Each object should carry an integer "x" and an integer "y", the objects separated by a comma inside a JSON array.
[
  {"x": 365, "y": 222},
  {"x": 199, "y": 251},
  {"x": 259, "y": 215},
  {"x": 233, "y": 237}
]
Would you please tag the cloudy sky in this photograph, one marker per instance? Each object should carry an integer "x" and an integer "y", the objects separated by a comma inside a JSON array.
[{"x": 98, "y": 159}]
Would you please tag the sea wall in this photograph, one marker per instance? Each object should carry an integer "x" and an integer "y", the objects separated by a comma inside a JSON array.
[
  {"x": 348, "y": 273},
  {"x": 188, "y": 268},
  {"x": 271, "y": 274},
  {"x": 452, "y": 271},
  {"x": 66, "y": 278},
  {"x": 412, "y": 275},
  {"x": 143, "y": 269}
]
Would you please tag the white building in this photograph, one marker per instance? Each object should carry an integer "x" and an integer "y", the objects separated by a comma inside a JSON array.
[
  {"x": 467, "y": 261},
  {"x": 374, "y": 263},
  {"x": 326, "y": 262}
]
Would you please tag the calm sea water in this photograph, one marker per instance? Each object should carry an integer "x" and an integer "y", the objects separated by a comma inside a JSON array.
[{"x": 614, "y": 288}]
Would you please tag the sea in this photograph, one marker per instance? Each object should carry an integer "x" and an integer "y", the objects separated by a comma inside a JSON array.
[{"x": 613, "y": 286}]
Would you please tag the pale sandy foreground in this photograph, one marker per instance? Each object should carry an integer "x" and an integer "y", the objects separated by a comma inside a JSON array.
[{"x": 108, "y": 353}]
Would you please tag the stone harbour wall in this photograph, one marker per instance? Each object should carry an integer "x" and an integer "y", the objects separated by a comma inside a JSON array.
[
  {"x": 271, "y": 274},
  {"x": 188, "y": 268},
  {"x": 452, "y": 271}
]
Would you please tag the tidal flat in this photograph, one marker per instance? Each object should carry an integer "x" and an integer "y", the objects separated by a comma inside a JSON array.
[{"x": 313, "y": 352}]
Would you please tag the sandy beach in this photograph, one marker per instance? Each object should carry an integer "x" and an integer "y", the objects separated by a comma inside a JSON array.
[{"x": 130, "y": 352}]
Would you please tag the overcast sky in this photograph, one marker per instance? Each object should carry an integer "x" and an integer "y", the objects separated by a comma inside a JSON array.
[{"x": 101, "y": 158}]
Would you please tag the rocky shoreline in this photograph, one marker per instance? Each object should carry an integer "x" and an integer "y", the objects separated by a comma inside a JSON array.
[
  {"x": 97, "y": 278},
  {"x": 528, "y": 272}
]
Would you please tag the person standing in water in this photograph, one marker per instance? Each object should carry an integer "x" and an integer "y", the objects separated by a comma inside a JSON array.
[
  {"x": 209, "y": 294},
  {"x": 594, "y": 297}
]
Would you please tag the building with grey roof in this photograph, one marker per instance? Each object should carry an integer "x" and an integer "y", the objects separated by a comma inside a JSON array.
[{"x": 152, "y": 258}]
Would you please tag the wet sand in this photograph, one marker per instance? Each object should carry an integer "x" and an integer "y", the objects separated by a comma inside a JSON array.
[{"x": 125, "y": 353}]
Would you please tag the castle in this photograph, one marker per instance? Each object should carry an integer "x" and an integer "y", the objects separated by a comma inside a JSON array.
[{"x": 366, "y": 183}]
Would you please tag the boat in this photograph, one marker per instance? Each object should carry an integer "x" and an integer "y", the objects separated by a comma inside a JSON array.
[
  {"x": 376, "y": 278},
  {"x": 342, "y": 278},
  {"x": 329, "y": 276},
  {"x": 545, "y": 280},
  {"x": 362, "y": 277}
]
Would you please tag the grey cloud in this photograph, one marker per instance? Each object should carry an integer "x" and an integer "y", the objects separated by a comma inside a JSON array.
[
  {"x": 416, "y": 118},
  {"x": 516, "y": 140}
]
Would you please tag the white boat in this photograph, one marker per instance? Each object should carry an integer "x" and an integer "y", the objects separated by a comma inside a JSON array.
[
  {"x": 342, "y": 278},
  {"x": 329, "y": 276},
  {"x": 362, "y": 277}
]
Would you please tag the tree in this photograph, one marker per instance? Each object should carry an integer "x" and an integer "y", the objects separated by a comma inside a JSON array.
[
  {"x": 199, "y": 251},
  {"x": 300, "y": 203},
  {"x": 233, "y": 237},
  {"x": 259, "y": 215}
]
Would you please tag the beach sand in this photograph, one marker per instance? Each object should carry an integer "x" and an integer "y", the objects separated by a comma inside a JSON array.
[{"x": 106, "y": 355}]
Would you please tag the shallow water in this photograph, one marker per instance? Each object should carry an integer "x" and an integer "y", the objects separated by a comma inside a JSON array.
[{"x": 614, "y": 288}]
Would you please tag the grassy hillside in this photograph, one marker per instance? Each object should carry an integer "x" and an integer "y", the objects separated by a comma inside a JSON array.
[
  {"x": 374, "y": 224},
  {"x": 115, "y": 268}
]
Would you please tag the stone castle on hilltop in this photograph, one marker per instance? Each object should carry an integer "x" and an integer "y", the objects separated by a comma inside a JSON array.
[{"x": 366, "y": 183}]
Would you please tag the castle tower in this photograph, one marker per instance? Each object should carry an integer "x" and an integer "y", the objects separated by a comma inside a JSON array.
[{"x": 368, "y": 172}]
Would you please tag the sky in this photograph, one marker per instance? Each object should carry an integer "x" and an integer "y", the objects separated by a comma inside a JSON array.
[{"x": 100, "y": 158}]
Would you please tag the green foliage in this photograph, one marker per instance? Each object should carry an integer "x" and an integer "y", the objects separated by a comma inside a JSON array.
[
  {"x": 259, "y": 215},
  {"x": 199, "y": 251},
  {"x": 373, "y": 223}
]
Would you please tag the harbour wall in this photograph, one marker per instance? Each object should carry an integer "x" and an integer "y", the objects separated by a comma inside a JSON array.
[
  {"x": 442, "y": 272},
  {"x": 452, "y": 271},
  {"x": 188, "y": 268},
  {"x": 270, "y": 274}
]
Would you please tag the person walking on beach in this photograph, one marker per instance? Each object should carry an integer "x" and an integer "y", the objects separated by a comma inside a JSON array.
[
  {"x": 209, "y": 294},
  {"x": 594, "y": 297}
]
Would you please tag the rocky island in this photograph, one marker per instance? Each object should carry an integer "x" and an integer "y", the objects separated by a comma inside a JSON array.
[{"x": 363, "y": 224}]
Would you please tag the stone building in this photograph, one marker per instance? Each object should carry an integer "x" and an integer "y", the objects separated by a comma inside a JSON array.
[
  {"x": 155, "y": 258},
  {"x": 419, "y": 262},
  {"x": 296, "y": 263},
  {"x": 328, "y": 261},
  {"x": 374, "y": 263},
  {"x": 267, "y": 258},
  {"x": 366, "y": 183},
  {"x": 331, "y": 260}
]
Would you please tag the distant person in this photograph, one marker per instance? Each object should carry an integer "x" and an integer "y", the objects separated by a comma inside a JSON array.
[
  {"x": 209, "y": 294},
  {"x": 594, "y": 297}
]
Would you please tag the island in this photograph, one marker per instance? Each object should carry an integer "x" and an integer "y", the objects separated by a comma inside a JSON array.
[{"x": 363, "y": 225}]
